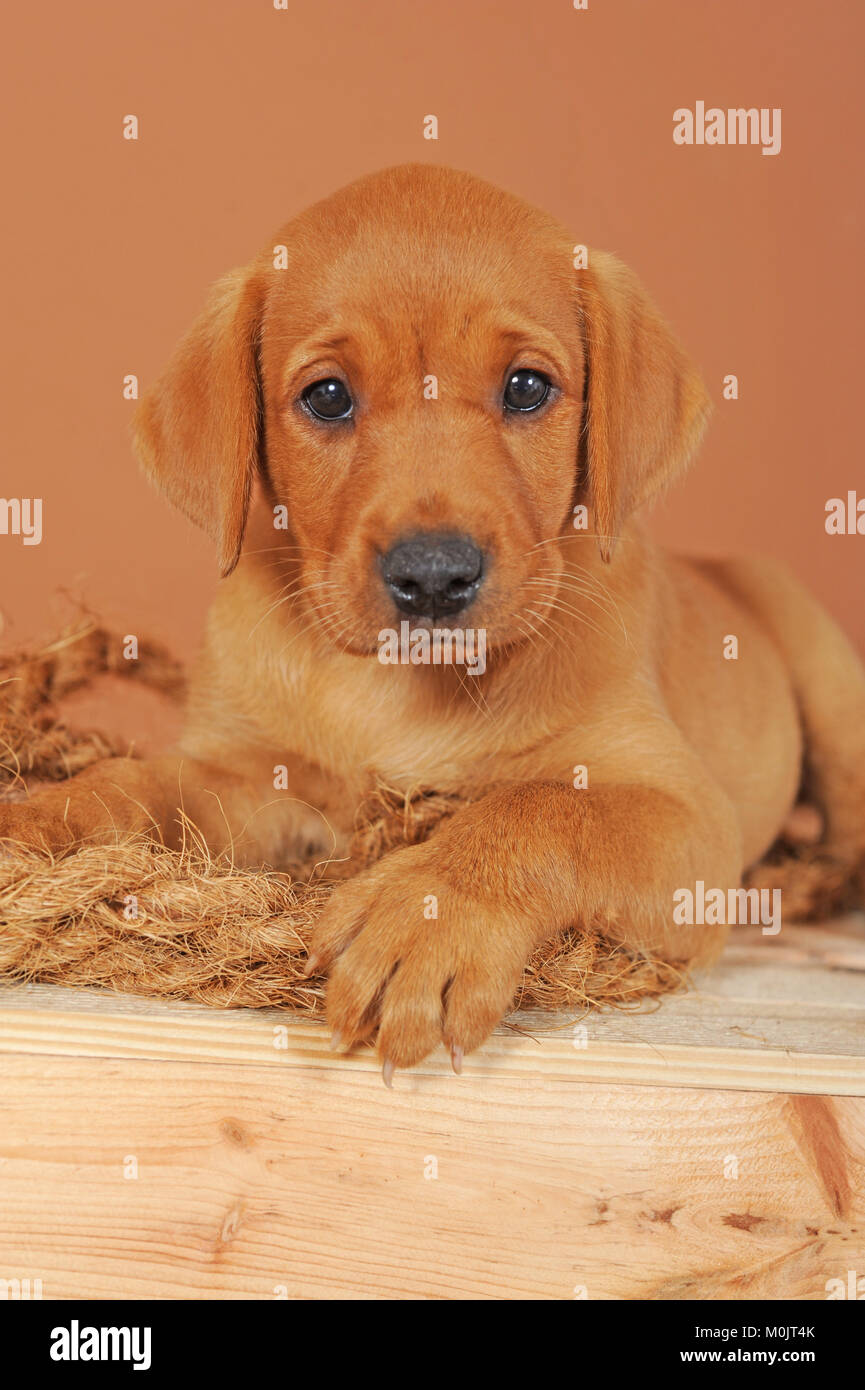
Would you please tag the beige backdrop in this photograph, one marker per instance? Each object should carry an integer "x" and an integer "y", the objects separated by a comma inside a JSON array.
[{"x": 248, "y": 113}]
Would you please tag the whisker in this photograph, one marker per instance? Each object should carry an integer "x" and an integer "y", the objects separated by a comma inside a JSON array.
[
  {"x": 289, "y": 592},
  {"x": 575, "y": 536},
  {"x": 300, "y": 549},
  {"x": 314, "y": 623},
  {"x": 480, "y": 702},
  {"x": 604, "y": 601},
  {"x": 542, "y": 636},
  {"x": 558, "y": 628},
  {"x": 554, "y": 601}
]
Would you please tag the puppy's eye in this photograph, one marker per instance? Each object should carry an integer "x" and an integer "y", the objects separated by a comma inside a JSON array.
[
  {"x": 328, "y": 399},
  {"x": 526, "y": 389}
]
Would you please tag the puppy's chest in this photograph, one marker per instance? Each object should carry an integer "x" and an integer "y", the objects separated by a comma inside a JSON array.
[{"x": 357, "y": 724}]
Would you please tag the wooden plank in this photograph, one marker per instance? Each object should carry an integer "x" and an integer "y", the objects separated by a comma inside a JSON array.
[
  {"x": 267, "y": 1167},
  {"x": 268, "y": 1038},
  {"x": 317, "y": 1182},
  {"x": 791, "y": 1020}
]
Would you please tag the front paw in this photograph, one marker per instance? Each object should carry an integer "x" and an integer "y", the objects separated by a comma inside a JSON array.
[{"x": 416, "y": 960}]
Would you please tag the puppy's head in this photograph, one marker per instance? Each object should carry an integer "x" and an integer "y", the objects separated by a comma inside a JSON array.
[{"x": 422, "y": 379}]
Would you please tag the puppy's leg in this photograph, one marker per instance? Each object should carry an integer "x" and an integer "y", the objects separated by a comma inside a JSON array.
[
  {"x": 429, "y": 945},
  {"x": 829, "y": 680},
  {"x": 234, "y": 806}
]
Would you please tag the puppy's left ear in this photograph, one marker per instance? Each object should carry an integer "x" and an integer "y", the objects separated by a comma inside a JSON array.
[{"x": 646, "y": 404}]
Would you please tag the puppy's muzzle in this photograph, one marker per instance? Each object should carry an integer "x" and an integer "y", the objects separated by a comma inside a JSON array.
[{"x": 433, "y": 576}]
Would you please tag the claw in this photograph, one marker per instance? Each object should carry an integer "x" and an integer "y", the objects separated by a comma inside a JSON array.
[
  {"x": 335, "y": 1041},
  {"x": 387, "y": 1073},
  {"x": 312, "y": 967},
  {"x": 457, "y": 1059}
]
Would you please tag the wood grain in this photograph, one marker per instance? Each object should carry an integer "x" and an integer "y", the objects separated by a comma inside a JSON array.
[
  {"x": 713, "y": 1148},
  {"x": 313, "y": 1182}
]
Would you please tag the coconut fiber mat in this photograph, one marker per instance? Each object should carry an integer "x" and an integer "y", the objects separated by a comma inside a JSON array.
[{"x": 137, "y": 917}]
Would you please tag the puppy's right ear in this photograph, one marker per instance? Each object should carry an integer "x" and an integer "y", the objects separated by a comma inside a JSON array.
[{"x": 197, "y": 431}]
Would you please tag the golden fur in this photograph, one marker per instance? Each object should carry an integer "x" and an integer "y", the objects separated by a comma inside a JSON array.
[{"x": 604, "y": 651}]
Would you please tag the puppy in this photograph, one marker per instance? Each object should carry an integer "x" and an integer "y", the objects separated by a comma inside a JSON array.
[{"x": 421, "y": 413}]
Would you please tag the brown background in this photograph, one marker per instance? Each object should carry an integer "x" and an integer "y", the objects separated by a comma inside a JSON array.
[{"x": 248, "y": 114}]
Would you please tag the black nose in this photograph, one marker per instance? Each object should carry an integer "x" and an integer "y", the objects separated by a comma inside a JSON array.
[{"x": 433, "y": 575}]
